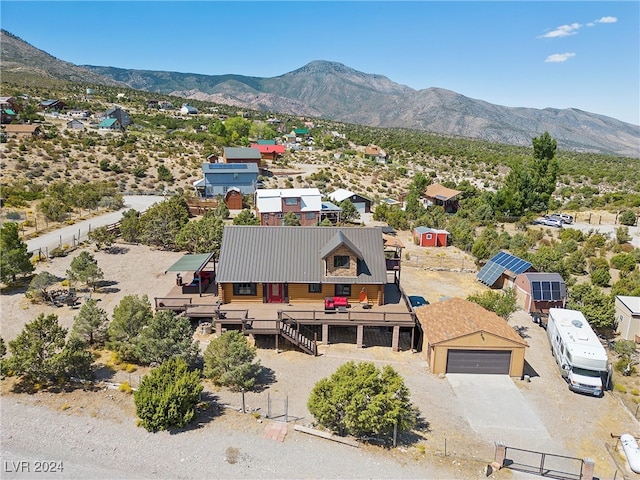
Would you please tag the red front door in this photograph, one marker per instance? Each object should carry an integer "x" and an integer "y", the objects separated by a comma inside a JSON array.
[{"x": 275, "y": 293}]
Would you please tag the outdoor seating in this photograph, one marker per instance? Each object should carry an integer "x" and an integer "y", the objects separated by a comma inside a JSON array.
[{"x": 331, "y": 304}]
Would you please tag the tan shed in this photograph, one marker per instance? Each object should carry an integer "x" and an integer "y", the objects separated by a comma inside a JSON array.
[{"x": 462, "y": 337}]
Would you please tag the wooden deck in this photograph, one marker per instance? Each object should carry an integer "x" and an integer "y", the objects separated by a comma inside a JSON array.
[{"x": 300, "y": 323}]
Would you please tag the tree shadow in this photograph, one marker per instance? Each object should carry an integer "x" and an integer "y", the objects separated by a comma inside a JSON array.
[
  {"x": 23, "y": 385},
  {"x": 116, "y": 250},
  {"x": 266, "y": 377},
  {"x": 208, "y": 409},
  {"x": 522, "y": 331}
]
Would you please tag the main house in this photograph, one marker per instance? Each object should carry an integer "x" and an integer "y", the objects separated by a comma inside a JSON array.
[
  {"x": 294, "y": 264},
  {"x": 220, "y": 178},
  {"x": 272, "y": 204}
]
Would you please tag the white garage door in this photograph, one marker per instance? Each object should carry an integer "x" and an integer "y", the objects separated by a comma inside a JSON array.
[{"x": 360, "y": 206}]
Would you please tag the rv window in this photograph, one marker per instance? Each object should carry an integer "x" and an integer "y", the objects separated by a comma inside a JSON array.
[{"x": 585, "y": 373}]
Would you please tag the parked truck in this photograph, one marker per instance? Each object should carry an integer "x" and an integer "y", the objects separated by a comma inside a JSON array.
[{"x": 579, "y": 353}]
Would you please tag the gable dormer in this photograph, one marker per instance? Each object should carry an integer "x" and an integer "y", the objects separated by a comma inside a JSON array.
[{"x": 341, "y": 257}]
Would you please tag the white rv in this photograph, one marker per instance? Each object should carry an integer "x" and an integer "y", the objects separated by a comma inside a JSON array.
[{"x": 578, "y": 351}]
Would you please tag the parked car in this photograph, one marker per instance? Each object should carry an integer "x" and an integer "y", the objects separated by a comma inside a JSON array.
[
  {"x": 549, "y": 221},
  {"x": 417, "y": 301},
  {"x": 563, "y": 217}
]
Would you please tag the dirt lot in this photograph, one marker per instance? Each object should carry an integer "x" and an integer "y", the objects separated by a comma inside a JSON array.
[{"x": 445, "y": 447}]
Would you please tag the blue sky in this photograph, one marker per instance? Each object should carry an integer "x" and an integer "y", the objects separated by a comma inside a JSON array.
[{"x": 580, "y": 54}]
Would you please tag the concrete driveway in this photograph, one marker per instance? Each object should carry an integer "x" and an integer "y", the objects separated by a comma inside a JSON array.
[{"x": 496, "y": 409}]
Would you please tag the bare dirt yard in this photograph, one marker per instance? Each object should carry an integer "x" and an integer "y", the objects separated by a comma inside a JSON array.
[{"x": 94, "y": 429}]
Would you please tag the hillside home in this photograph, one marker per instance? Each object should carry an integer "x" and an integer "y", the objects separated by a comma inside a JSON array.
[
  {"x": 537, "y": 292},
  {"x": 220, "y": 178},
  {"x": 75, "y": 124},
  {"x": 445, "y": 197},
  {"x": 375, "y": 153},
  {"x": 119, "y": 114},
  {"x": 9, "y": 102},
  {"x": 22, "y": 130},
  {"x": 628, "y": 317},
  {"x": 7, "y": 115},
  {"x": 362, "y": 204},
  {"x": 293, "y": 264},
  {"x": 242, "y": 155},
  {"x": 187, "y": 109},
  {"x": 269, "y": 151},
  {"x": 52, "y": 105},
  {"x": 272, "y": 204},
  {"x": 430, "y": 237},
  {"x": 112, "y": 124},
  {"x": 79, "y": 113}
]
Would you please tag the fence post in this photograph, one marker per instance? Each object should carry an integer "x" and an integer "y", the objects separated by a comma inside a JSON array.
[
  {"x": 500, "y": 454},
  {"x": 588, "y": 469}
]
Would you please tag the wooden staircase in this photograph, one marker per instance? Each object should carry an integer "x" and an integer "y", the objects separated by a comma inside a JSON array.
[{"x": 295, "y": 336}]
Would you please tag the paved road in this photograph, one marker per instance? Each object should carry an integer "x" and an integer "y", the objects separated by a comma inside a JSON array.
[{"x": 70, "y": 235}]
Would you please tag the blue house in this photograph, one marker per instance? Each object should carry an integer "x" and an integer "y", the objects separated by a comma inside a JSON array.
[{"x": 219, "y": 178}]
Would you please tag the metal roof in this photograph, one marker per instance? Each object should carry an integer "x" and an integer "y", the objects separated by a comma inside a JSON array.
[
  {"x": 269, "y": 200},
  {"x": 294, "y": 254},
  {"x": 242, "y": 153},
  {"x": 191, "y": 263},
  {"x": 500, "y": 263}
]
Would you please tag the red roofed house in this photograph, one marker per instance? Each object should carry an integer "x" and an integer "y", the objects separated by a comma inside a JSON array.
[
  {"x": 445, "y": 197},
  {"x": 269, "y": 152}
]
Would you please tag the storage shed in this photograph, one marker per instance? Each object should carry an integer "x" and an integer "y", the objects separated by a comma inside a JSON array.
[
  {"x": 460, "y": 336},
  {"x": 538, "y": 292},
  {"x": 430, "y": 237}
]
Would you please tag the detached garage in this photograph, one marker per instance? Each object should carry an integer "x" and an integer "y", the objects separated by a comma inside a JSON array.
[{"x": 460, "y": 336}]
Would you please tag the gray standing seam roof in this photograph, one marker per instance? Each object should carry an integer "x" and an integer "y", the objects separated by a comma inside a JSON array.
[
  {"x": 241, "y": 153},
  {"x": 263, "y": 254}
]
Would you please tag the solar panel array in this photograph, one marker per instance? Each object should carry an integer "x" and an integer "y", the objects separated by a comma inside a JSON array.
[
  {"x": 227, "y": 166},
  {"x": 547, "y": 291},
  {"x": 497, "y": 266}
]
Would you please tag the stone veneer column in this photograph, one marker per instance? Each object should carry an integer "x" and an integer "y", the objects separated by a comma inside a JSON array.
[{"x": 359, "y": 336}]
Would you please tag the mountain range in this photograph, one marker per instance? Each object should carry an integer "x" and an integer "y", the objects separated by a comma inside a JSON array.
[{"x": 334, "y": 91}]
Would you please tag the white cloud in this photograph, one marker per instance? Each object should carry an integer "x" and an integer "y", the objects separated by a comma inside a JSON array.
[
  {"x": 607, "y": 20},
  {"x": 559, "y": 57},
  {"x": 572, "y": 28},
  {"x": 563, "y": 31}
]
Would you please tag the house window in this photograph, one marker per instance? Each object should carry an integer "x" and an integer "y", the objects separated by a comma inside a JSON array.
[
  {"x": 343, "y": 290},
  {"x": 315, "y": 288},
  {"x": 341, "y": 261},
  {"x": 428, "y": 236},
  {"x": 265, "y": 217},
  {"x": 310, "y": 215},
  {"x": 291, "y": 201},
  {"x": 299, "y": 216},
  {"x": 244, "y": 289},
  {"x": 280, "y": 215}
]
